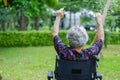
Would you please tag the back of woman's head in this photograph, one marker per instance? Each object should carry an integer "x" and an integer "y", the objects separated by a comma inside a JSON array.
[{"x": 77, "y": 36}]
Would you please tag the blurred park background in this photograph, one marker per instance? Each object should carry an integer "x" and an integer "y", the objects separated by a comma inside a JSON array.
[{"x": 25, "y": 35}]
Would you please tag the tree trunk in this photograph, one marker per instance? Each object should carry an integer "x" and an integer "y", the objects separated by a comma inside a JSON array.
[
  {"x": 36, "y": 23},
  {"x": 9, "y": 25},
  {"x": 105, "y": 42},
  {"x": 22, "y": 21},
  {"x": 3, "y": 26}
]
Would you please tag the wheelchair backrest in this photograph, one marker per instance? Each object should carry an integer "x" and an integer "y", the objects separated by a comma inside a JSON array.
[{"x": 74, "y": 70}]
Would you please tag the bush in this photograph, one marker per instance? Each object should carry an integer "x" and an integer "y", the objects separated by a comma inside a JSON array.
[
  {"x": 11, "y": 39},
  {"x": 113, "y": 38},
  {"x": 36, "y": 38}
]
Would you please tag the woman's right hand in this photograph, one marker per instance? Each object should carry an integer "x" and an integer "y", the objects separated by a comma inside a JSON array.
[{"x": 60, "y": 13}]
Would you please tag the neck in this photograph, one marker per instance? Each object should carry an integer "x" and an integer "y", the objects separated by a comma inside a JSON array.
[{"x": 78, "y": 49}]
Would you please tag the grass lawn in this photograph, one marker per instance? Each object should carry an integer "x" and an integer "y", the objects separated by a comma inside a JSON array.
[{"x": 33, "y": 63}]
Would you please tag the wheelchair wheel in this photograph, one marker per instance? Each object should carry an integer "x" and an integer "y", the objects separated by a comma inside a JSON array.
[
  {"x": 50, "y": 75},
  {"x": 98, "y": 76}
]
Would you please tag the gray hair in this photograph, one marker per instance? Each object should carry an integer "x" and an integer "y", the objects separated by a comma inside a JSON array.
[{"x": 77, "y": 36}]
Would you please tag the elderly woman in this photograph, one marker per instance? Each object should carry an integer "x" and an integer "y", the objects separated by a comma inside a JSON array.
[{"x": 77, "y": 37}]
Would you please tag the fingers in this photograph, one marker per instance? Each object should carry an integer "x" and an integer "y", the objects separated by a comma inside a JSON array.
[
  {"x": 99, "y": 18},
  {"x": 98, "y": 14},
  {"x": 60, "y": 12},
  {"x": 62, "y": 9}
]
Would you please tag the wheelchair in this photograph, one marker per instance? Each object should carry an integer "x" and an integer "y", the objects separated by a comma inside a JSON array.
[{"x": 75, "y": 70}]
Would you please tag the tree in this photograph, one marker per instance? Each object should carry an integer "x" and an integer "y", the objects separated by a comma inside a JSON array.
[
  {"x": 76, "y": 5},
  {"x": 24, "y": 10},
  {"x": 115, "y": 10}
]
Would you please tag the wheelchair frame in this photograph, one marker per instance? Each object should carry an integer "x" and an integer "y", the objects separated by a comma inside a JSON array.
[{"x": 75, "y": 70}]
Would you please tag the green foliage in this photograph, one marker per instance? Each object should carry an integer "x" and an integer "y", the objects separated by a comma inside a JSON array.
[
  {"x": 25, "y": 39},
  {"x": 51, "y": 3},
  {"x": 112, "y": 38},
  {"x": 76, "y": 5},
  {"x": 33, "y": 38},
  {"x": 30, "y": 7}
]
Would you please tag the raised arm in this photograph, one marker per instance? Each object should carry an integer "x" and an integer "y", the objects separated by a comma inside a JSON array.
[
  {"x": 100, "y": 29},
  {"x": 59, "y": 15}
]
